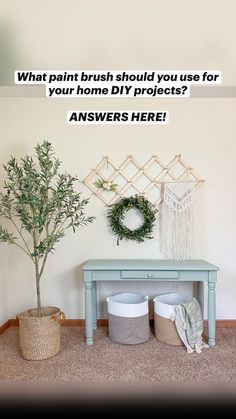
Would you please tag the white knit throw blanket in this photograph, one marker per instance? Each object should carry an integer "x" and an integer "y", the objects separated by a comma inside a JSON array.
[{"x": 177, "y": 221}]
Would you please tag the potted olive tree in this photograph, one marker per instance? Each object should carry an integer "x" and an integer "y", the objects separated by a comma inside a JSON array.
[{"x": 39, "y": 204}]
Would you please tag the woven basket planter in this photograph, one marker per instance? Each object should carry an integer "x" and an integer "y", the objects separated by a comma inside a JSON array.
[{"x": 40, "y": 336}]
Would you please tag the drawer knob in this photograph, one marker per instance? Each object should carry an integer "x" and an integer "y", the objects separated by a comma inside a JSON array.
[{"x": 150, "y": 275}]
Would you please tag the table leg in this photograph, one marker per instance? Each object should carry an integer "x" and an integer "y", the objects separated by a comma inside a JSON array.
[
  {"x": 211, "y": 308},
  {"x": 88, "y": 308},
  {"x": 94, "y": 305},
  {"x": 201, "y": 296}
]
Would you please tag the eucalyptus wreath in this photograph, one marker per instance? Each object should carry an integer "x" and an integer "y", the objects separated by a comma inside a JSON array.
[{"x": 116, "y": 214}]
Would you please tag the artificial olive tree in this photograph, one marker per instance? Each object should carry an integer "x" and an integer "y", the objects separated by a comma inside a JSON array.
[{"x": 39, "y": 204}]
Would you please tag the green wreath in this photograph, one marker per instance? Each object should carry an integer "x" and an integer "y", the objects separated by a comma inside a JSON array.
[{"x": 116, "y": 216}]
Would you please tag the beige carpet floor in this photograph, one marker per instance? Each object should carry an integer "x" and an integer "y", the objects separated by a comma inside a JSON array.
[
  {"x": 108, "y": 362},
  {"x": 110, "y": 376}
]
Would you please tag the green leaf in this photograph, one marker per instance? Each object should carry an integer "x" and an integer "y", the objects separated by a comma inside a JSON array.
[{"x": 7, "y": 237}]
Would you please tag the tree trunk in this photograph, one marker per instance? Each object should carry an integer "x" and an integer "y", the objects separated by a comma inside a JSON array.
[{"x": 38, "y": 289}]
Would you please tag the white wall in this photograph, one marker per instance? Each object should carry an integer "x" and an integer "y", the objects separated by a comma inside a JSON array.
[
  {"x": 202, "y": 130},
  {"x": 113, "y": 35},
  {"x": 117, "y": 34}
]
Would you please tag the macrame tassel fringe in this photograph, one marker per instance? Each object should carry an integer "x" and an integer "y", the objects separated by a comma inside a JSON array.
[{"x": 177, "y": 232}]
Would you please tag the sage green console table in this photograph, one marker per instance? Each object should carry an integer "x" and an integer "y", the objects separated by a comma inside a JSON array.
[{"x": 197, "y": 271}]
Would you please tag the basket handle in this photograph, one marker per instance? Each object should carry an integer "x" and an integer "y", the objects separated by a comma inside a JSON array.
[{"x": 62, "y": 316}]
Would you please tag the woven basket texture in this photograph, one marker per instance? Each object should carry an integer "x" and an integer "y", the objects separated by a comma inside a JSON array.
[
  {"x": 165, "y": 331},
  {"x": 40, "y": 336},
  {"x": 127, "y": 330}
]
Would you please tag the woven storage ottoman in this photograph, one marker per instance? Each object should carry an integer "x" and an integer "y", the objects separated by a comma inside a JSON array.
[
  {"x": 128, "y": 319},
  {"x": 165, "y": 329}
]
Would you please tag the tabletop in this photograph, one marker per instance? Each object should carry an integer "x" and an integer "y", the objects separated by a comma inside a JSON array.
[{"x": 154, "y": 264}]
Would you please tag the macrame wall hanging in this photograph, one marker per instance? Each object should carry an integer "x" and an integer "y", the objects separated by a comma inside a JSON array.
[
  {"x": 169, "y": 187},
  {"x": 177, "y": 220}
]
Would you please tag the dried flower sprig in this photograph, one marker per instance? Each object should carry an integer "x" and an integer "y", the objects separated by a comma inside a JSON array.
[{"x": 106, "y": 185}]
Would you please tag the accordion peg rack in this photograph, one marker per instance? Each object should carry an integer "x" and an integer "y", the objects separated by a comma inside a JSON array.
[{"x": 131, "y": 178}]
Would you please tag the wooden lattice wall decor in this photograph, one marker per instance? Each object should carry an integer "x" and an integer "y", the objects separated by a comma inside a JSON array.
[{"x": 131, "y": 178}]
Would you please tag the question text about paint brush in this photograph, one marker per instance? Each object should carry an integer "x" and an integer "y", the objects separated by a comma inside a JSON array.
[
  {"x": 130, "y": 84},
  {"x": 112, "y": 84}
]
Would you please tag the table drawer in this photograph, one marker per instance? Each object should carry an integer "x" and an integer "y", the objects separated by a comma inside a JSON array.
[{"x": 149, "y": 274}]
